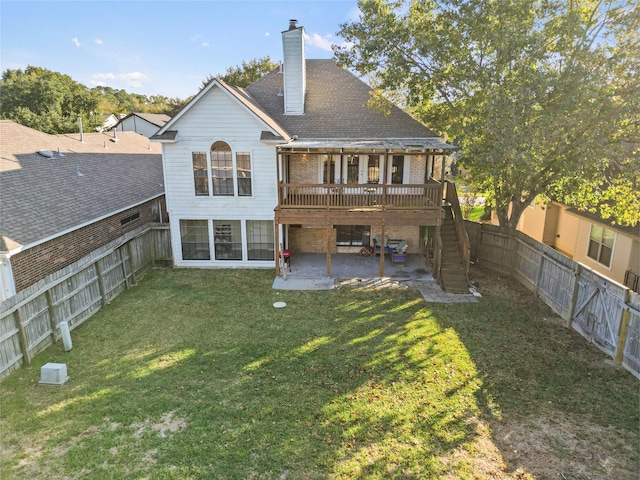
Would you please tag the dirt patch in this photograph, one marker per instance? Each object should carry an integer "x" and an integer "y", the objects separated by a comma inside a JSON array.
[
  {"x": 558, "y": 447},
  {"x": 167, "y": 423}
]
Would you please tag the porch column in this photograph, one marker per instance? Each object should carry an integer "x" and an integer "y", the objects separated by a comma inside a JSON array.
[{"x": 329, "y": 250}]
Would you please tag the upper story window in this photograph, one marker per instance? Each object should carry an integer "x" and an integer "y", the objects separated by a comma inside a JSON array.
[
  {"x": 397, "y": 169},
  {"x": 221, "y": 169},
  {"x": 200, "y": 173},
  {"x": 243, "y": 172},
  {"x": 601, "y": 244},
  {"x": 373, "y": 169}
]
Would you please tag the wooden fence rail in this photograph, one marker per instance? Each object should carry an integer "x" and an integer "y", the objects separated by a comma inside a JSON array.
[
  {"x": 29, "y": 321},
  {"x": 601, "y": 310}
]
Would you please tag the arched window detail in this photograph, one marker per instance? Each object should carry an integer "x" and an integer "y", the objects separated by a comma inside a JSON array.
[{"x": 221, "y": 169}]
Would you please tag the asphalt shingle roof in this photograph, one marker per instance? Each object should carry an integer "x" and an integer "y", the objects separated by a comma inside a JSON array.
[
  {"x": 335, "y": 107},
  {"x": 41, "y": 197}
]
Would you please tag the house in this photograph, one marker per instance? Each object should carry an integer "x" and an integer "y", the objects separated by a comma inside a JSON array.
[
  {"x": 297, "y": 161},
  {"x": 108, "y": 122},
  {"x": 145, "y": 124},
  {"x": 63, "y": 196},
  {"x": 609, "y": 249}
]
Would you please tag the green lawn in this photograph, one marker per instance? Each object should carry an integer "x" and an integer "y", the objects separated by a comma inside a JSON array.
[{"x": 194, "y": 374}]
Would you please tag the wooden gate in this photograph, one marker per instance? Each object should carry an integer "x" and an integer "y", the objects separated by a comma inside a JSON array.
[{"x": 598, "y": 311}]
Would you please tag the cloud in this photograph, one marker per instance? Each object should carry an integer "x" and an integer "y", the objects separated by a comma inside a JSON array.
[
  {"x": 323, "y": 42},
  {"x": 205, "y": 44},
  {"x": 267, "y": 34},
  {"x": 76, "y": 42},
  {"x": 99, "y": 41},
  {"x": 130, "y": 79}
]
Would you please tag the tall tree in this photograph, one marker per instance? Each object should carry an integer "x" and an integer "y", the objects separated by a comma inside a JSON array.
[
  {"x": 47, "y": 101},
  {"x": 543, "y": 96},
  {"x": 245, "y": 74}
]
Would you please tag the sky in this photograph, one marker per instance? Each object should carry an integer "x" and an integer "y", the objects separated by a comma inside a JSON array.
[{"x": 159, "y": 47}]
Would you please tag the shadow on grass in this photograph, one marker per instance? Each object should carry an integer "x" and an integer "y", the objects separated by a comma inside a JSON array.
[{"x": 194, "y": 374}]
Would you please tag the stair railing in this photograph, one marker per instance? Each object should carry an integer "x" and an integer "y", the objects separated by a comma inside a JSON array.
[{"x": 458, "y": 222}]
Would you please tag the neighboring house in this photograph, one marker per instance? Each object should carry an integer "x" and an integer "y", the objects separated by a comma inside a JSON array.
[
  {"x": 611, "y": 250},
  {"x": 108, "y": 122},
  {"x": 61, "y": 198},
  {"x": 297, "y": 159},
  {"x": 146, "y": 124}
]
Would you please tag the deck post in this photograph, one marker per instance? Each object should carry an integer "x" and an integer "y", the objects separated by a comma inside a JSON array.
[
  {"x": 382, "y": 247},
  {"x": 328, "y": 249},
  {"x": 277, "y": 242}
]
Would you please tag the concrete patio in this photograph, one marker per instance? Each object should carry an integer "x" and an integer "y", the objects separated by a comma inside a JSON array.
[{"x": 350, "y": 270}]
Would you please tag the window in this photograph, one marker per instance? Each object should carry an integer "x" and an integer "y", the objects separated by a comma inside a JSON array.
[
  {"x": 194, "y": 235},
  {"x": 373, "y": 169},
  {"x": 221, "y": 169},
  {"x": 130, "y": 218},
  {"x": 397, "y": 169},
  {"x": 227, "y": 239},
  {"x": 200, "y": 175},
  {"x": 601, "y": 244},
  {"x": 350, "y": 235},
  {"x": 353, "y": 168},
  {"x": 260, "y": 240},
  {"x": 243, "y": 172},
  {"x": 328, "y": 169}
]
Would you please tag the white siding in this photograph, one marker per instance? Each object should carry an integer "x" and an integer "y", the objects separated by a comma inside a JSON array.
[{"x": 218, "y": 117}]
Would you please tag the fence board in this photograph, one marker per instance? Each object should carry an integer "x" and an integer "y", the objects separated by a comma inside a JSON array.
[{"x": 29, "y": 320}]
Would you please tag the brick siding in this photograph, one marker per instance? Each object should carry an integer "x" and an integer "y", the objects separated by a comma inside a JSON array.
[
  {"x": 310, "y": 240},
  {"x": 36, "y": 263}
]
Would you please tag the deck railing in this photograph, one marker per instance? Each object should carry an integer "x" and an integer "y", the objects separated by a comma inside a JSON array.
[
  {"x": 348, "y": 196},
  {"x": 458, "y": 221}
]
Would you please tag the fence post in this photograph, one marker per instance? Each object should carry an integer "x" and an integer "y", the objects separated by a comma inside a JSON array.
[
  {"x": 540, "y": 266},
  {"x": 52, "y": 319},
  {"x": 624, "y": 327},
  {"x": 133, "y": 267},
  {"x": 124, "y": 267},
  {"x": 103, "y": 296},
  {"x": 574, "y": 294},
  {"x": 24, "y": 342}
]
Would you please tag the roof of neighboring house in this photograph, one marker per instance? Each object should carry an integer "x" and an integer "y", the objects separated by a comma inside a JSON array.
[
  {"x": 335, "y": 107},
  {"x": 336, "y": 113},
  {"x": 157, "y": 119},
  {"x": 42, "y": 197}
]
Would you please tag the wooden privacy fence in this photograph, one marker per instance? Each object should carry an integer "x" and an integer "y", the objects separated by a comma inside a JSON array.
[
  {"x": 601, "y": 310},
  {"x": 29, "y": 321}
]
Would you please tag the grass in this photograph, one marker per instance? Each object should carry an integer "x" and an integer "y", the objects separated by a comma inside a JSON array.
[{"x": 193, "y": 374}]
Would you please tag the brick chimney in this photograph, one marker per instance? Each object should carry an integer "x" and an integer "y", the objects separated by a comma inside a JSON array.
[{"x": 295, "y": 79}]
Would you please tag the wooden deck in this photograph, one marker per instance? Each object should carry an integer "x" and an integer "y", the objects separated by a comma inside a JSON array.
[{"x": 345, "y": 204}]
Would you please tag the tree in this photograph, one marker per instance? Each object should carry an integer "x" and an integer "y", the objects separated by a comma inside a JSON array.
[
  {"x": 47, "y": 101},
  {"x": 245, "y": 74},
  {"x": 543, "y": 96}
]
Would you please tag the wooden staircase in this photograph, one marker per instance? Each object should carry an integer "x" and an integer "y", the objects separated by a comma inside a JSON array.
[{"x": 453, "y": 272}]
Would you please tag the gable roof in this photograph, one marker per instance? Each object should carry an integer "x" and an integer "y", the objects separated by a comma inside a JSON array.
[
  {"x": 157, "y": 119},
  {"x": 335, "y": 107},
  {"x": 167, "y": 134},
  {"x": 41, "y": 198}
]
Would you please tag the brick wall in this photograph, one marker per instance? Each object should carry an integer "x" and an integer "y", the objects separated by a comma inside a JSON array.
[
  {"x": 303, "y": 168},
  {"x": 310, "y": 240},
  {"x": 36, "y": 263}
]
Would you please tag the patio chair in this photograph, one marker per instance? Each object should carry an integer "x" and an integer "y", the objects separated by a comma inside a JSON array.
[
  {"x": 377, "y": 243},
  {"x": 399, "y": 253}
]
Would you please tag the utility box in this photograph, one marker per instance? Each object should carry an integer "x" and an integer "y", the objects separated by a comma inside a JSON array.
[{"x": 53, "y": 374}]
